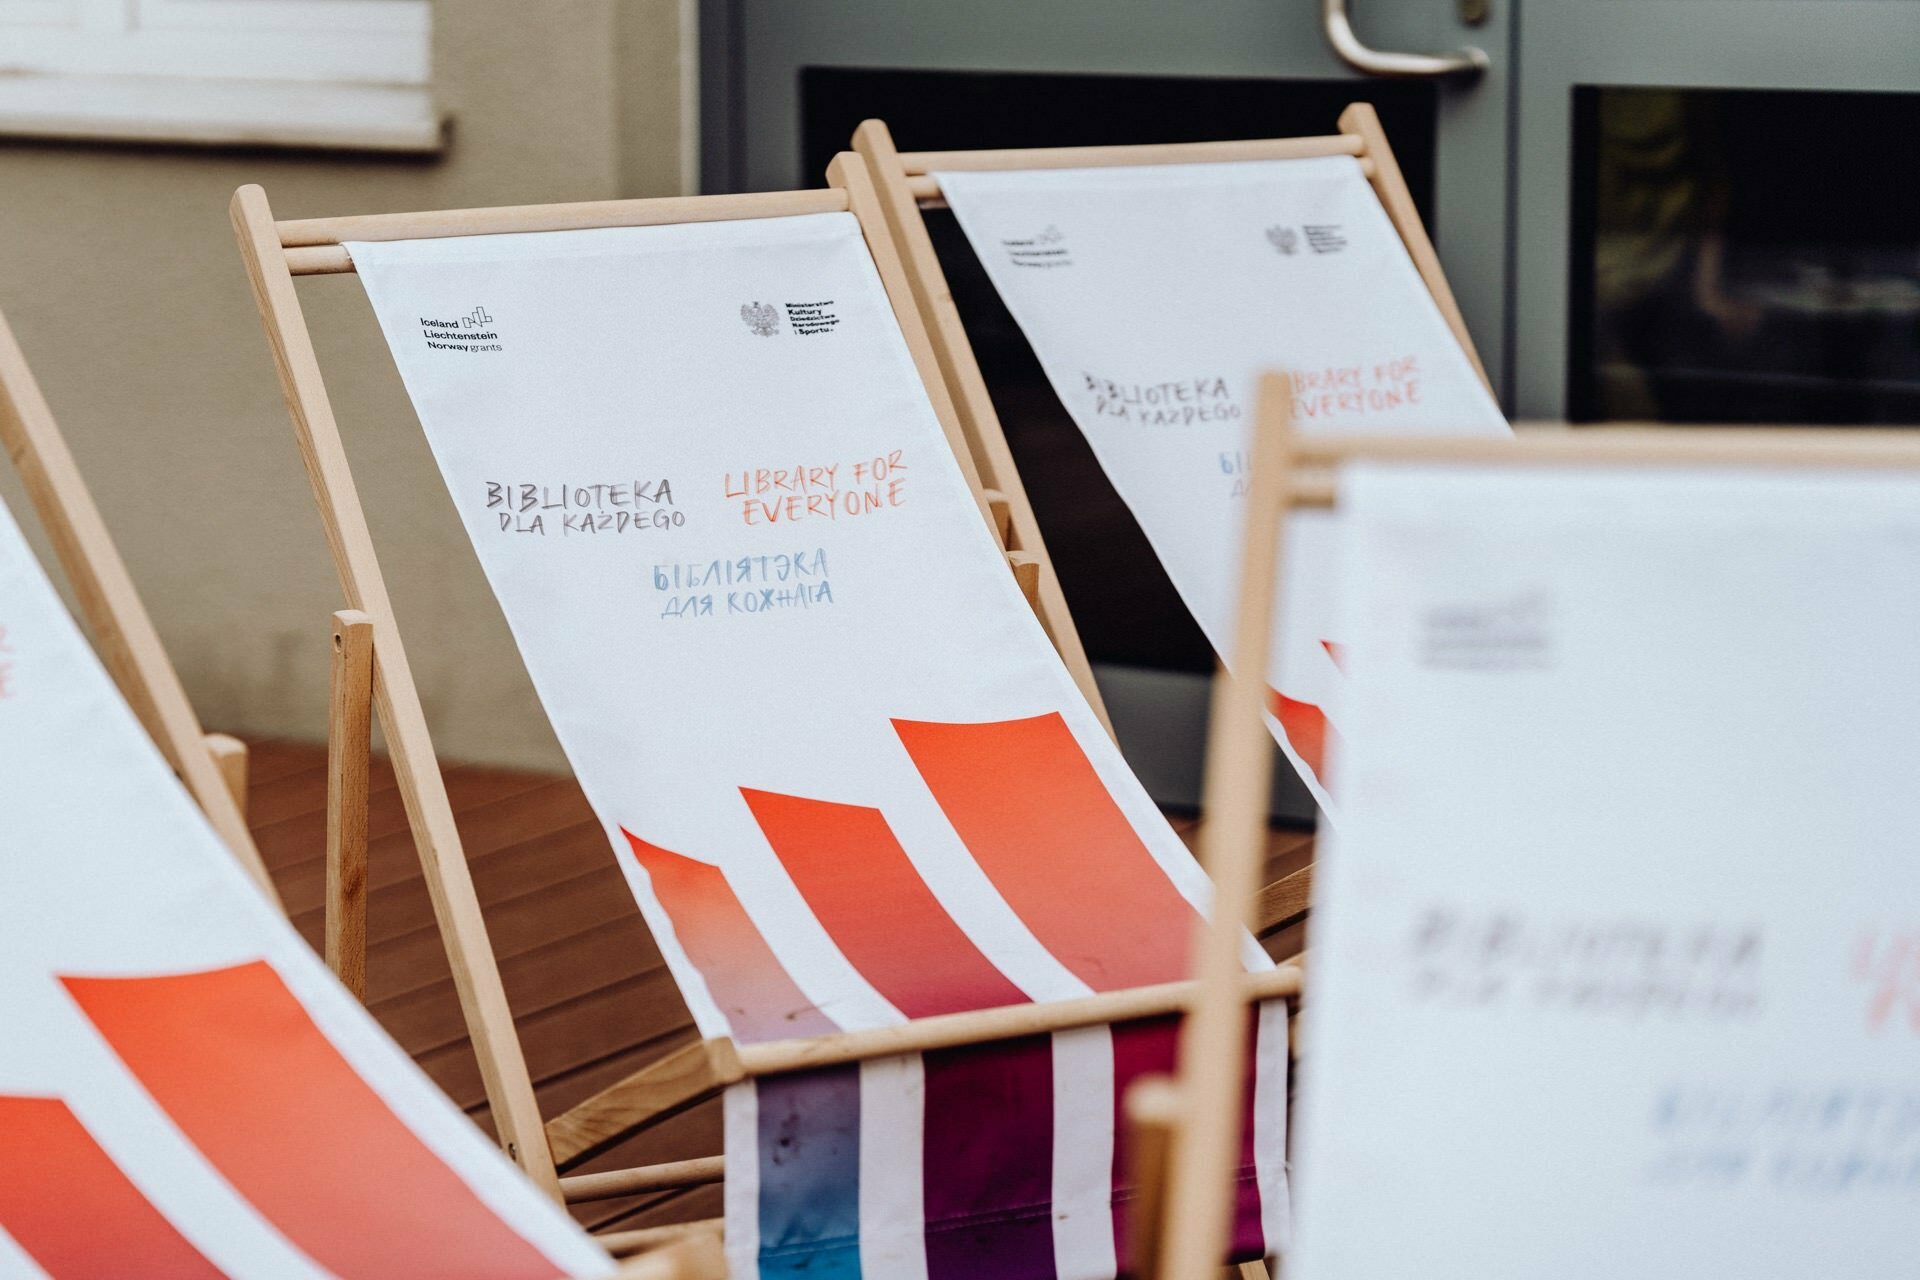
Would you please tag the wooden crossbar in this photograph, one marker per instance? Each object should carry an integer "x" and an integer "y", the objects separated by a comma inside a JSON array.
[
  {"x": 628, "y": 1182},
  {"x": 580, "y": 216},
  {"x": 924, "y": 1035},
  {"x": 313, "y": 245},
  {"x": 916, "y": 163},
  {"x": 927, "y": 192}
]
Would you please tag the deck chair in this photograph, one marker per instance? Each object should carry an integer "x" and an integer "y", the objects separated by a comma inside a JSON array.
[
  {"x": 1154, "y": 283},
  {"x": 212, "y": 765},
  {"x": 900, "y": 872},
  {"x": 1680, "y": 662},
  {"x": 185, "y": 1091}
]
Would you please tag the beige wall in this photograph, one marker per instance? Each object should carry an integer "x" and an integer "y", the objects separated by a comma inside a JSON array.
[{"x": 119, "y": 274}]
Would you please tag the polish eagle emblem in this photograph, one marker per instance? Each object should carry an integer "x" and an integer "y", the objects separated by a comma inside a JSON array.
[
  {"x": 762, "y": 318},
  {"x": 1285, "y": 239}
]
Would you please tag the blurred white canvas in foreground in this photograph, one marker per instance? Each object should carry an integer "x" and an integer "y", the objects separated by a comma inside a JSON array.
[{"x": 1617, "y": 952}]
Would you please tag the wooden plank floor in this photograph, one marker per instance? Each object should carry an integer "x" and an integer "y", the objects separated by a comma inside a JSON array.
[{"x": 590, "y": 994}]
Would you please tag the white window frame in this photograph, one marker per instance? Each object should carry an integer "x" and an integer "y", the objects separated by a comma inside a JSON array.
[{"x": 305, "y": 73}]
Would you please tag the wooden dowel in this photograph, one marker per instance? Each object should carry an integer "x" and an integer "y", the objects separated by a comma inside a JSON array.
[
  {"x": 1026, "y": 572},
  {"x": 507, "y": 219},
  {"x": 654, "y": 1177},
  {"x": 1154, "y": 1112},
  {"x": 925, "y": 187},
  {"x": 916, "y": 163},
  {"x": 625, "y": 1243},
  {"x": 349, "y": 743},
  {"x": 230, "y": 758},
  {"x": 319, "y": 260},
  {"x": 948, "y": 1031},
  {"x": 1002, "y": 512}
]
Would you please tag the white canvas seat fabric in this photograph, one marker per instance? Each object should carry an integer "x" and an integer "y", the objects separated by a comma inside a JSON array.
[
  {"x": 185, "y": 1091},
  {"x": 845, "y": 773},
  {"x": 1156, "y": 295},
  {"x": 1618, "y": 958}
]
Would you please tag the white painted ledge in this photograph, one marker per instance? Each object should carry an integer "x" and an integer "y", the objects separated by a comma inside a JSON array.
[{"x": 206, "y": 112}]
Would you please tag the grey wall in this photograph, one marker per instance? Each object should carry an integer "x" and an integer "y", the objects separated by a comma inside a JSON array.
[{"x": 119, "y": 274}]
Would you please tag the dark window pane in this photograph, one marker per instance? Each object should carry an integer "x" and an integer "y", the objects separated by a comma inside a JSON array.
[{"x": 1745, "y": 256}]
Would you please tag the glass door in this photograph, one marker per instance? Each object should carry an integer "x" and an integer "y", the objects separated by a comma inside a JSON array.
[{"x": 1719, "y": 211}]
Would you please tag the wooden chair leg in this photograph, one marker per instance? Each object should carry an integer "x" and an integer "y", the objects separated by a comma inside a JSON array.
[
  {"x": 230, "y": 758},
  {"x": 349, "y": 744}
]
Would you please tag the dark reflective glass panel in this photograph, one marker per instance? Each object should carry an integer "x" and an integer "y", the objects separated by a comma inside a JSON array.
[
  {"x": 1745, "y": 256},
  {"x": 1126, "y": 609}
]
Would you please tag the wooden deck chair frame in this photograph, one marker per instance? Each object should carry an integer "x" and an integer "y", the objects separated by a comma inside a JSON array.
[
  {"x": 1191, "y": 1123},
  {"x": 907, "y": 184},
  {"x": 212, "y": 765},
  {"x": 276, "y": 252}
]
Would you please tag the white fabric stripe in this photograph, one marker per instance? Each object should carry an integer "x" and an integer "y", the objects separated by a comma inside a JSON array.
[
  {"x": 893, "y": 1240},
  {"x": 742, "y": 1186},
  {"x": 1083, "y": 1154},
  {"x": 1270, "y": 1127},
  {"x": 14, "y": 1262}
]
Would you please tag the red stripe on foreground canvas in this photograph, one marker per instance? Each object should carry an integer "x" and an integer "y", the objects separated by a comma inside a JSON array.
[
  {"x": 744, "y": 977},
  {"x": 872, "y": 901},
  {"x": 1031, "y": 809},
  {"x": 241, "y": 1068},
  {"x": 65, "y": 1202}
]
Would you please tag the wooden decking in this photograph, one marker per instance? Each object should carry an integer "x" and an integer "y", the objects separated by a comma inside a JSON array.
[{"x": 590, "y": 994}]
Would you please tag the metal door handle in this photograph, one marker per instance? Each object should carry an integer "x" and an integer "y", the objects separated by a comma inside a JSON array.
[{"x": 1468, "y": 62}]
